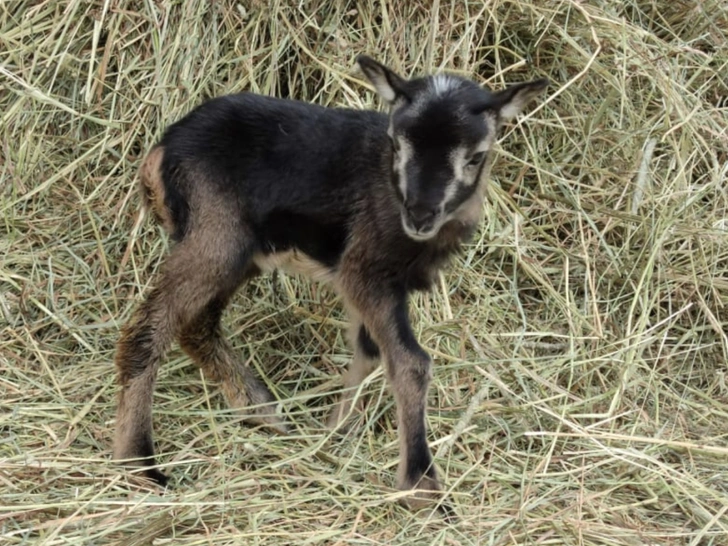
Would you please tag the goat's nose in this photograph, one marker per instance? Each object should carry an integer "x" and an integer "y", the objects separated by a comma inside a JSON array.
[{"x": 421, "y": 216}]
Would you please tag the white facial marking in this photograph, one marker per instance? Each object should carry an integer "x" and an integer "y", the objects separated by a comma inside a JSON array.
[
  {"x": 469, "y": 211},
  {"x": 468, "y": 174},
  {"x": 416, "y": 236},
  {"x": 402, "y": 157},
  {"x": 464, "y": 172},
  {"x": 457, "y": 162}
]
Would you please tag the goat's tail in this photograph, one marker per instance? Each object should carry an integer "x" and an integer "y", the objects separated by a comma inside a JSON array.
[{"x": 161, "y": 195}]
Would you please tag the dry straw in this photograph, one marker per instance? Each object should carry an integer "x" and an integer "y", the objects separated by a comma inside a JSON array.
[{"x": 580, "y": 390}]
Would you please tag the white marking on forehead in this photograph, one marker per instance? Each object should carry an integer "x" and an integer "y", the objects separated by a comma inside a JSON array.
[
  {"x": 438, "y": 86},
  {"x": 441, "y": 84}
]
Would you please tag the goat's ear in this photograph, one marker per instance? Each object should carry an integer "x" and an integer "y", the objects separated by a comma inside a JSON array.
[
  {"x": 388, "y": 84},
  {"x": 510, "y": 102}
]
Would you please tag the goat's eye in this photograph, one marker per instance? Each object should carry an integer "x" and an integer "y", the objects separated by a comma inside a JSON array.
[{"x": 476, "y": 159}]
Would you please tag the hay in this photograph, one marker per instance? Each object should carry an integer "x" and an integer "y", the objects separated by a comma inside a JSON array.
[{"x": 580, "y": 391}]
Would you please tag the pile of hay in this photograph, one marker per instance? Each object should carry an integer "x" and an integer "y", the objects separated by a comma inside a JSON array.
[{"x": 580, "y": 342}]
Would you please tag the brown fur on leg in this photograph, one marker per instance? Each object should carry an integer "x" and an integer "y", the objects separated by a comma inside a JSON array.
[
  {"x": 363, "y": 364},
  {"x": 410, "y": 376},
  {"x": 203, "y": 341},
  {"x": 143, "y": 342},
  {"x": 133, "y": 442},
  {"x": 204, "y": 265}
]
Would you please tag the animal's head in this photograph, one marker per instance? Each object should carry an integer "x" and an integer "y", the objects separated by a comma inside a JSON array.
[{"x": 442, "y": 129}]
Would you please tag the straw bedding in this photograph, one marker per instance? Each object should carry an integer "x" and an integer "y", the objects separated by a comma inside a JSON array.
[{"x": 580, "y": 341}]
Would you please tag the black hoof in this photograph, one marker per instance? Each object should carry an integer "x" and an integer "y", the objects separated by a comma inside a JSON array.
[
  {"x": 448, "y": 514},
  {"x": 156, "y": 476}
]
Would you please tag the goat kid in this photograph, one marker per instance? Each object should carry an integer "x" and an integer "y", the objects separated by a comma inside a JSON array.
[{"x": 373, "y": 204}]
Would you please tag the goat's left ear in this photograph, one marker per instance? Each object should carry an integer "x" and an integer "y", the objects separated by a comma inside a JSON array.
[
  {"x": 510, "y": 102},
  {"x": 388, "y": 84}
]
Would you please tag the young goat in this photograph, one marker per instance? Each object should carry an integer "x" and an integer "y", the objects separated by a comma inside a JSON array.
[{"x": 373, "y": 204}]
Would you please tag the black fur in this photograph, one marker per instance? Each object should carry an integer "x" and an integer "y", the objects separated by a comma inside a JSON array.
[
  {"x": 173, "y": 199},
  {"x": 299, "y": 193},
  {"x": 322, "y": 238},
  {"x": 367, "y": 345},
  {"x": 419, "y": 459},
  {"x": 404, "y": 329},
  {"x": 296, "y": 192}
]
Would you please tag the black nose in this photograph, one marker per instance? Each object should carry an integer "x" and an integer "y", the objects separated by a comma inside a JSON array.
[{"x": 420, "y": 216}]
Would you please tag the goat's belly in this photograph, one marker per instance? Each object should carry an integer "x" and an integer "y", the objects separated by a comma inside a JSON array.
[{"x": 294, "y": 262}]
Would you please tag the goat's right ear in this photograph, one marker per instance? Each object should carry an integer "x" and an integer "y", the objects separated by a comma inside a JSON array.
[
  {"x": 509, "y": 102},
  {"x": 389, "y": 85}
]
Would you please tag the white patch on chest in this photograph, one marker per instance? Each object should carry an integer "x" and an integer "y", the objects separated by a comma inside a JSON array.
[{"x": 294, "y": 262}]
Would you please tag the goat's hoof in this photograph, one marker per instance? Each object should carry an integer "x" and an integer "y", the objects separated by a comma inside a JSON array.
[
  {"x": 339, "y": 421},
  {"x": 143, "y": 467},
  {"x": 426, "y": 494},
  {"x": 156, "y": 476},
  {"x": 334, "y": 420},
  {"x": 266, "y": 415},
  {"x": 427, "y": 485}
]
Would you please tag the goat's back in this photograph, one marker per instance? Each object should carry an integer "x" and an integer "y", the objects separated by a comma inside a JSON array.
[{"x": 275, "y": 159}]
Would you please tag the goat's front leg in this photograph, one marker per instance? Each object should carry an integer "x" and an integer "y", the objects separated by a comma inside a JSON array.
[
  {"x": 408, "y": 368},
  {"x": 366, "y": 358}
]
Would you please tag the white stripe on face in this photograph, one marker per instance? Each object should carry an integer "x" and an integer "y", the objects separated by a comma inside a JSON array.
[
  {"x": 465, "y": 174},
  {"x": 402, "y": 157}
]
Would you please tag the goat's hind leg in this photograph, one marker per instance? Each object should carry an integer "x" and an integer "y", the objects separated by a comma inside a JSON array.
[
  {"x": 203, "y": 268},
  {"x": 143, "y": 343},
  {"x": 202, "y": 339}
]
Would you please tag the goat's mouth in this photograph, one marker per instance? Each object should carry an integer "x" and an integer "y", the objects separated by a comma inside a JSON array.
[{"x": 421, "y": 233}]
